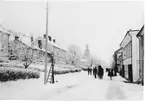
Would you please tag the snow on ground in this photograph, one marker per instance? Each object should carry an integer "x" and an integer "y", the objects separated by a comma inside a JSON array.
[{"x": 73, "y": 86}]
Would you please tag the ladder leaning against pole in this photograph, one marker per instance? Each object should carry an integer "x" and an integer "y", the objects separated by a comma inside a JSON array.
[{"x": 50, "y": 77}]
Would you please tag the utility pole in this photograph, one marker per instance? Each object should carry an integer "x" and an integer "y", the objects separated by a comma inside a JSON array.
[{"x": 46, "y": 40}]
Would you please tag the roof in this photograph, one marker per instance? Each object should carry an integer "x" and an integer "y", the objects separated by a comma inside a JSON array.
[
  {"x": 127, "y": 34},
  {"x": 3, "y": 30},
  {"x": 52, "y": 43},
  {"x": 124, "y": 37},
  {"x": 26, "y": 40},
  {"x": 118, "y": 49},
  {"x": 139, "y": 33},
  {"x": 83, "y": 60}
]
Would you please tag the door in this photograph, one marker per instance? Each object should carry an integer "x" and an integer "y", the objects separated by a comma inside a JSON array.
[
  {"x": 130, "y": 76},
  {"x": 123, "y": 71}
]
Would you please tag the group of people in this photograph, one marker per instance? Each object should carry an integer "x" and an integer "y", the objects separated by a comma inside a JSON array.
[
  {"x": 97, "y": 71},
  {"x": 110, "y": 72}
]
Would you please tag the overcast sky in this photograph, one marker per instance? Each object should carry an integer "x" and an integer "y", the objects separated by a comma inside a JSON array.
[{"x": 100, "y": 24}]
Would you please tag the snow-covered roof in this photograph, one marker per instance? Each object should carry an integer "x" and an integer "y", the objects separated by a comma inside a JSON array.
[
  {"x": 51, "y": 43},
  {"x": 127, "y": 37},
  {"x": 44, "y": 50},
  {"x": 26, "y": 40},
  {"x": 83, "y": 60},
  {"x": 35, "y": 47},
  {"x": 56, "y": 45},
  {"x": 3, "y": 30},
  {"x": 141, "y": 32}
]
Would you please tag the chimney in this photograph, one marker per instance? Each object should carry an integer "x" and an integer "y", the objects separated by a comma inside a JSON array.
[
  {"x": 32, "y": 41},
  {"x": 49, "y": 37},
  {"x": 54, "y": 40},
  {"x": 16, "y": 37},
  {"x": 44, "y": 36},
  {"x": 31, "y": 38}
]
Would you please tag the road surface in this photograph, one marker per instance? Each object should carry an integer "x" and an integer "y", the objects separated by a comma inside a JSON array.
[
  {"x": 72, "y": 86},
  {"x": 80, "y": 86}
]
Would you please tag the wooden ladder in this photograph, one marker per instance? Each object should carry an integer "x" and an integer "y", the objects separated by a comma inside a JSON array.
[{"x": 50, "y": 77}]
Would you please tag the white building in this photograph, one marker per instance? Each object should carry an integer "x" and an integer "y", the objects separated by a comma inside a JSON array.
[
  {"x": 140, "y": 36},
  {"x": 59, "y": 53},
  {"x": 4, "y": 43},
  {"x": 130, "y": 45}
]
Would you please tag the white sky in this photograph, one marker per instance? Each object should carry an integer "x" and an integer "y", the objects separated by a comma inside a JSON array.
[{"x": 101, "y": 24}]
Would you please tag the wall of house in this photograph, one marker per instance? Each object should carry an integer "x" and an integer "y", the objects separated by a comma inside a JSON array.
[
  {"x": 126, "y": 71},
  {"x": 59, "y": 54},
  {"x": 127, "y": 57},
  {"x": 119, "y": 62},
  {"x": 135, "y": 57},
  {"x": 4, "y": 41},
  {"x": 141, "y": 56},
  {"x": 131, "y": 55}
]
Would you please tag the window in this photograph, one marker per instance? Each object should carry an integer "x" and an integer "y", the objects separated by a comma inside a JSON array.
[
  {"x": 40, "y": 44},
  {"x": 127, "y": 51}
]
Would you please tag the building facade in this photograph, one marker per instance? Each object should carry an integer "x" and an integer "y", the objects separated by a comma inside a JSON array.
[
  {"x": 10, "y": 40},
  {"x": 140, "y": 35},
  {"x": 59, "y": 53},
  {"x": 130, "y": 52},
  {"x": 4, "y": 44},
  {"x": 118, "y": 60}
]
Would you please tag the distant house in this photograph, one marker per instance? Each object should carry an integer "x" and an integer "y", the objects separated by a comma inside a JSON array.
[
  {"x": 4, "y": 44},
  {"x": 140, "y": 35},
  {"x": 17, "y": 48},
  {"x": 130, "y": 50},
  {"x": 118, "y": 60},
  {"x": 59, "y": 53},
  {"x": 21, "y": 43},
  {"x": 10, "y": 40}
]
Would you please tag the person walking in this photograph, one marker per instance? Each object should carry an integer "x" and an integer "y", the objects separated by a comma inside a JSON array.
[
  {"x": 88, "y": 70},
  {"x": 110, "y": 73},
  {"x": 95, "y": 72},
  {"x": 101, "y": 72}
]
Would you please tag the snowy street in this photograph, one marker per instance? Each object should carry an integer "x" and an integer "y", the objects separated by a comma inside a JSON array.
[
  {"x": 70, "y": 50},
  {"x": 74, "y": 86}
]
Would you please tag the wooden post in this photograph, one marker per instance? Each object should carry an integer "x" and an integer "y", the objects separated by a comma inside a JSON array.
[{"x": 46, "y": 40}]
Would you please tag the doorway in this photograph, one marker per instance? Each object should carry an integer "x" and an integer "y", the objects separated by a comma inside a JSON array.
[
  {"x": 123, "y": 71},
  {"x": 130, "y": 76}
]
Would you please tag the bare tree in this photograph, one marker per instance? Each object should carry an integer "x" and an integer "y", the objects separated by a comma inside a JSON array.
[
  {"x": 93, "y": 60},
  {"x": 20, "y": 51},
  {"x": 27, "y": 57},
  {"x": 74, "y": 54}
]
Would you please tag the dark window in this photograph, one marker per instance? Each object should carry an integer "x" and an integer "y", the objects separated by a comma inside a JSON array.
[{"x": 40, "y": 44}]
